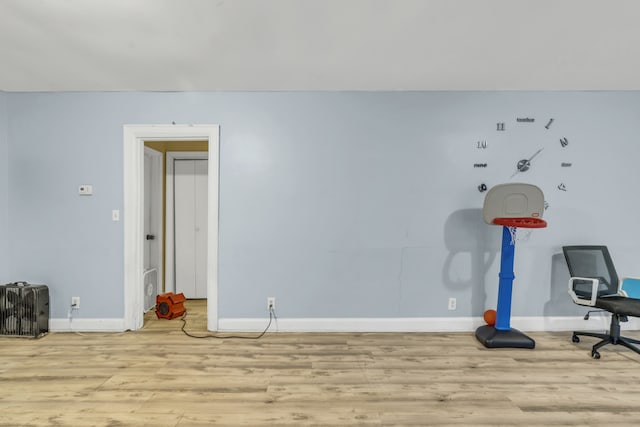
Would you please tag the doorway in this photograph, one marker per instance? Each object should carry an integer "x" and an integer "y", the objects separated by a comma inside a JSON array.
[
  {"x": 134, "y": 138},
  {"x": 175, "y": 219}
]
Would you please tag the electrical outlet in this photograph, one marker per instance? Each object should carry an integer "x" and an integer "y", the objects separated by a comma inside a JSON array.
[
  {"x": 75, "y": 303},
  {"x": 452, "y": 304},
  {"x": 271, "y": 303},
  {"x": 85, "y": 190}
]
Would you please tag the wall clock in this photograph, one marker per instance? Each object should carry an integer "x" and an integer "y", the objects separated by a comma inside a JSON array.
[{"x": 525, "y": 149}]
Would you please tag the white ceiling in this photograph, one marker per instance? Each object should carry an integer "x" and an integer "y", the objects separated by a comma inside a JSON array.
[{"x": 183, "y": 45}]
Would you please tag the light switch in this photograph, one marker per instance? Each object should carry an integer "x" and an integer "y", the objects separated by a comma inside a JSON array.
[
  {"x": 85, "y": 190},
  {"x": 115, "y": 215}
]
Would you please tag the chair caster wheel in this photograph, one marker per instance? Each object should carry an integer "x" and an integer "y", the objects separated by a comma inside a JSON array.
[
  {"x": 595, "y": 355},
  {"x": 575, "y": 338}
]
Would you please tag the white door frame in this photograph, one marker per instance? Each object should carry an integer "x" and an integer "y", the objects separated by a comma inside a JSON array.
[
  {"x": 134, "y": 137},
  {"x": 170, "y": 285}
]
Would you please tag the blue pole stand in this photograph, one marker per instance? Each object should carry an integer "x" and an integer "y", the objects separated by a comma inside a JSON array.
[
  {"x": 505, "y": 285},
  {"x": 502, "y": 335}
]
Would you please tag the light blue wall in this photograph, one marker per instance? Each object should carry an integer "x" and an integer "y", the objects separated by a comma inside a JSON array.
[
  {"x": 4, "y": 177},
  {"x": 337, "y": 204}
]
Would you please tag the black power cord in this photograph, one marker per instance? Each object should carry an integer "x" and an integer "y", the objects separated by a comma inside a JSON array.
[{"x": 222, "y": 337}]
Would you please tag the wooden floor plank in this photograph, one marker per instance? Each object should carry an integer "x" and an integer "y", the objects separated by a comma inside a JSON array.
[{"x": 159, "y": 376}]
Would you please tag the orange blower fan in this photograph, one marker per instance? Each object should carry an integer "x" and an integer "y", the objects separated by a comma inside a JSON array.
[{"x": 170, "y": 305}]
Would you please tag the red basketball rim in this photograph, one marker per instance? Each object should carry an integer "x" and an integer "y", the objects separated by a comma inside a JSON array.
[{"x": 525, "y": 222}]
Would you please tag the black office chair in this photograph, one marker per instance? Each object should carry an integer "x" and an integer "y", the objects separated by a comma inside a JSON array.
[{"x": 595, "y": 283}]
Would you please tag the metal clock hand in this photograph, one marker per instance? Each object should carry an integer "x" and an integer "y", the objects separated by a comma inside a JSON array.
[{"x": 524, "y": 164}]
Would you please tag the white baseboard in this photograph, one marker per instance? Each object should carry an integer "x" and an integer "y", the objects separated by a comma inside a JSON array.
[
  {"x": 402, "y": 324},
  {"x": 419, "y": 324},
  {"x": 86, "y": 325},
  {"x": 570, "y": 323}
]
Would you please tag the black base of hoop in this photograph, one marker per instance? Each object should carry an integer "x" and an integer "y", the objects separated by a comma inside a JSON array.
[{"x": 491, "y": 337}]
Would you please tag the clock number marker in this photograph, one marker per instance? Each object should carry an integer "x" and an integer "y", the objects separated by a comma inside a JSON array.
[
  {"x": 548, "y": 125},
  {"x": 482, "y": 144},
  {"x": 562, "y": 187},
  {"x": 482, "y": 187},
  {"x": 564, "y": 142},
  {"x": 500, "y": 126}
]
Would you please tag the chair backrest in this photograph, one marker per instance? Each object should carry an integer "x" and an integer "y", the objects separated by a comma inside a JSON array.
[
  {"x": 593, "y": 262},
  {"x": 630, "y": 287}
]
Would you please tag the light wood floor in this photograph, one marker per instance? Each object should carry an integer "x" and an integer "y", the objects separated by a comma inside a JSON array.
[{"x": 160, "y": 377}]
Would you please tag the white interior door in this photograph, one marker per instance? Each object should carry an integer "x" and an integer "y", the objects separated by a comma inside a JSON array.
[
  {"x": 152, "y": 226},
  {"x": 190, "y": 229}
]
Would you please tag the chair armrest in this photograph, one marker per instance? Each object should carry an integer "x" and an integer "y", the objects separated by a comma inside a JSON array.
[
  {"x": 594, "y": 291},
  {"x": 629, "y": 287}
]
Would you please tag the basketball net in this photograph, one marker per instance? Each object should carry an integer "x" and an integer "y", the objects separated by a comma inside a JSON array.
[{"x": 526, "y": 234}]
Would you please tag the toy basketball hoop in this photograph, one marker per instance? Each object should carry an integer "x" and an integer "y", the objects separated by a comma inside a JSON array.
[
  {"x": 522, "y": 203},
  {"x": 512, "y": 206}
]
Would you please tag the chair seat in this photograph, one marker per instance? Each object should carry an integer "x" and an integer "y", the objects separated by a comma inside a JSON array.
[{"x": 620, "y": 305}]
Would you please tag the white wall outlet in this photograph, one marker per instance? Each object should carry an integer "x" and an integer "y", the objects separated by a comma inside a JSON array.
[
  {"x": 453, "y": 303},
  {"x": 271, "y": 303},
  {"x": 85, "y": 190},
  {"x": 75, "y": 303}
]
